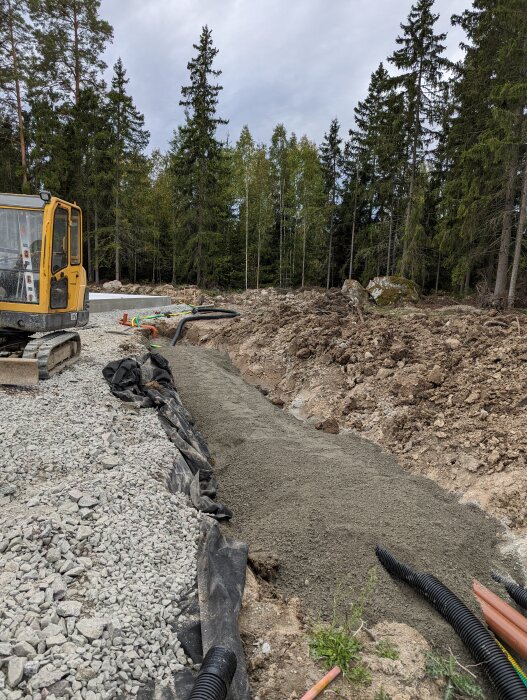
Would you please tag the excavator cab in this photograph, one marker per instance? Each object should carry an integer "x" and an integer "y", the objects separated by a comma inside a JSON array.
[{"x": 42, "y": 286}]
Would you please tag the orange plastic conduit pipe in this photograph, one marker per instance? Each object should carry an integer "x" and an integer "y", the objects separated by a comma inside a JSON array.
[
  {"x": 483, "y": 593},
  {"x": 505, "y": 629},
  {"x": 125, "y": 322},
  {"x": 321, "y": 685}
]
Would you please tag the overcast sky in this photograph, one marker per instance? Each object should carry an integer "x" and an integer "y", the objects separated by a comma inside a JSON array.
[{"x": 299, "y": 62}]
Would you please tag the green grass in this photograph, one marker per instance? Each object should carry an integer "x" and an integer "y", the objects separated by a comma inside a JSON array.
[
  {"x": 382, "y": 695},
  {"x": 458, "y": 683},
  {"x": 335, "y": 647},
  {"x": 386, "y": 650},
  {"x": 336, "y": 644}
]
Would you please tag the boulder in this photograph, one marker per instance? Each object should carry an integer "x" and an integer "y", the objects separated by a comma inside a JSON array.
[
  {"x": 392, "y": 290},
  {"x": 355, "y": 292},
  {"x": 113, "y": 286}
]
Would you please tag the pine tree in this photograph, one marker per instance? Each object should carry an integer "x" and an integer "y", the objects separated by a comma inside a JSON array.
[
  {"x": 15, "y": 50},
  {"x": 128, "y": 139},
  {"x": 199, "y": 162},
  {"x": 421, "y": 64},
  {"x": 71, "y": 38},
  {"x": 331, "y": 158}
]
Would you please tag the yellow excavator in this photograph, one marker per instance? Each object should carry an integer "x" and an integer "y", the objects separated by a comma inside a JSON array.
[{"x": 43, "y": 287}]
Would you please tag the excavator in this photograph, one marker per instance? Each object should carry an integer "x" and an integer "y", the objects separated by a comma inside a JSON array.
[{"x": 43, "y": 290}]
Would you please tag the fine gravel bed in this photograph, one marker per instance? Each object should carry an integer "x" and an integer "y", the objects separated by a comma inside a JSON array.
[
  {"x": 321, "y": 503},
  {"x": 97, "y": 558}
]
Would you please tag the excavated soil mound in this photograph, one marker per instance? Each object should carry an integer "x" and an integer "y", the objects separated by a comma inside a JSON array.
[
  {"x": 444, "y": 388},
  {"x": 321, "y": 502}
]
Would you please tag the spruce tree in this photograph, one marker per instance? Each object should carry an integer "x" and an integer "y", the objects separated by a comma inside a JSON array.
[
  {"x": 199, "y": 163},
  {"x": 244, "y": 156},
  {"x": 128, "y": 139},
  {"x": 421, "y": 65},
  {"x": 279, "y": 165},
  {"x": 331, "y": 158}
]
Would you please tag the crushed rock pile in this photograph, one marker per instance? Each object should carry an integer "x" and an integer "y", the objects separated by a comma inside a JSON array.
[
  {"x": 445, "y": 388},
  {"x": 97, "y": 557}
]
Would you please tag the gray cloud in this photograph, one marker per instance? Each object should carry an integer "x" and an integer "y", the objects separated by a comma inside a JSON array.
[{"x": 300, "y": 62}]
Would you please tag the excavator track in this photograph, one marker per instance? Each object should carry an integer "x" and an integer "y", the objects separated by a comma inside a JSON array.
[{"x": 53, "y": 352}]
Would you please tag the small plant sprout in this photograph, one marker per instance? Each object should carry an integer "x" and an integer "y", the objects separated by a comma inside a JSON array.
[
  {"x": 458, "y": 684},
  {"x": 386, "y": 649}
]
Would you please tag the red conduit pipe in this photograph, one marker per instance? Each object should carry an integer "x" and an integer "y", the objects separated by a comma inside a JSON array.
[
  {"x": 321, "y": 685},
  {"x": 505, "y": 629},
  {"x": 484, "y": 594}
]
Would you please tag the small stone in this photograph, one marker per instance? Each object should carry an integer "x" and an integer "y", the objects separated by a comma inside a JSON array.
[
  {"x": 24, "y": 649},
  {"x": 5, "y": 648},
  {"x": 59, "y": 588},
  {"x": 453, "y": 343},
  {"x": 110, "y": 461},
  {"x": 15, "y": 670},
  {"x": 266, "y": 648},
  {"x": 55, "y": 641},
  {"x": 53, "y": 555},
  {"x": 91, "y": 628},
  {"x": 435, "y": 376},
  {"x": 88, "y": 502},
  {"x": 50, "y": 631},
  {"x": 7, "y": 490},
  {"x": 330, "y": 425},
  {"x": 30, "y": 668},
  {"x": 46, "y": 677},
  {"x": 83, "y": 532},
  {"x": 69, "y": 608},
  {"x": 75, "y": 495}
]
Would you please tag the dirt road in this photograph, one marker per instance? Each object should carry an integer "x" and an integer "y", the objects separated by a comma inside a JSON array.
[{"x": 322, "y": 502}]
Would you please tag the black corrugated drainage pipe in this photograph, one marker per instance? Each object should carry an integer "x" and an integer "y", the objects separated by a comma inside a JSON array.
[
  {"x": 517, "y": 593},
  {"x": 202, "y": 313},
  {"x": 473, "y": 633},
  {"x": 215, "y": 675}
]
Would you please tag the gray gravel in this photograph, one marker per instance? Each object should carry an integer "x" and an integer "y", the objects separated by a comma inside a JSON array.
[{"x": 96, "y": 556}]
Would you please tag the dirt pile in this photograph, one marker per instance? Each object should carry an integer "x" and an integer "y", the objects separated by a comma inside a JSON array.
[
  {"x": 444, "y": 388},
  {"x": 281, "y": 666}
]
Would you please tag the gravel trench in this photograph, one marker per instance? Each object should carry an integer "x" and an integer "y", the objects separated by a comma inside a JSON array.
[
  {"x": 321, "y": 503},
  {"x": 96, "y": 556}
]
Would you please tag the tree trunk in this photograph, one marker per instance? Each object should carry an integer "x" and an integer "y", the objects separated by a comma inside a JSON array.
[
  {"x": 500, "y": 288},
  {"x": 390, "y": 230},
  {"x": 76, "y": 54},
  {"x": 246, "y": 233},
  {"x": 413, "y": 167},
  {"x": 304, "y": 254},
  {"x": 352, "y": 244},
  {"x": 96, "y": 243},
  {"x": 117, "y": 241},
  {"x": 522, "y": 220},
  {"x": 16, "y": 74}
]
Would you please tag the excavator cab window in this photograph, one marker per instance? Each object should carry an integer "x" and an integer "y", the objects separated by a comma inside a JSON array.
[
  {"x": 20, "y": 245},
  {"x": 59, "y": 257},
  {"x": 75, "y": 238}
]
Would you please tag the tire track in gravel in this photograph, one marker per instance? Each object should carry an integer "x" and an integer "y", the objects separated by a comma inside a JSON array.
[{"x": 322, "y": 502}]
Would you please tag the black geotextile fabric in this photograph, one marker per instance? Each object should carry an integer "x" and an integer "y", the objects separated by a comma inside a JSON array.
[
  {"x": 221, "y": 561},
  {"x": 149, "y": 383}
]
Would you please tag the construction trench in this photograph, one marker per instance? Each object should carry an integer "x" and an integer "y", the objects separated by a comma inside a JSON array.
[{"x": 313, "y": 504}]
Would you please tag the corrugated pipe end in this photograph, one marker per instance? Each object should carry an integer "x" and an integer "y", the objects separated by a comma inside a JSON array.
[
  {"x": 215, "y": 675},
  {"x": 517, "y": 593}
]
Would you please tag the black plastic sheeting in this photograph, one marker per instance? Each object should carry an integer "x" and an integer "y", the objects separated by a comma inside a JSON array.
[
  {"x": 221, "y": 561},
  {"x": 149, "y": 383}
]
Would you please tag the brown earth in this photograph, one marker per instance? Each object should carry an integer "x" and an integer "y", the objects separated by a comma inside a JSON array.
[
  {"x": 280, "y": 664},
  {"x": 320, "y": 502},
  {"x": 443, "y": 388}
]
